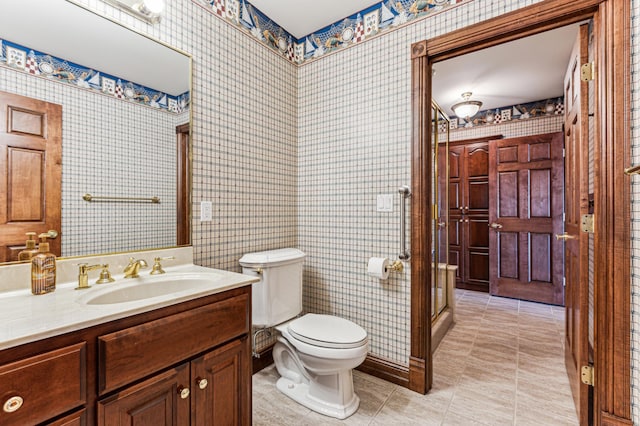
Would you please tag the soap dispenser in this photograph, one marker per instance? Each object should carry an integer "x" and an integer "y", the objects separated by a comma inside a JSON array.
[
  {"x": 31, "y": 249},
  {"x": 43, "y": 268}
]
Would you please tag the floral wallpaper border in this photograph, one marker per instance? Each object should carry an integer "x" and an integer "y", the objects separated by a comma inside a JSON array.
[{"x": 31, "y": 61}]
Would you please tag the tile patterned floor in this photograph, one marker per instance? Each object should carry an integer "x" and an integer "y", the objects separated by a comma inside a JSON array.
[{"x": 501, "y": 364}]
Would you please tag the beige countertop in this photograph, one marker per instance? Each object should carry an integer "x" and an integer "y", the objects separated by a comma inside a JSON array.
[{"x": 26, "y": 318}]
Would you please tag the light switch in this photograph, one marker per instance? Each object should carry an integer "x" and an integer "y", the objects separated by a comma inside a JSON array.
[
  {"x": 384, "y": 203},
  {"x": 388, "y": 203},
  {"x": 206, "y": 211}
]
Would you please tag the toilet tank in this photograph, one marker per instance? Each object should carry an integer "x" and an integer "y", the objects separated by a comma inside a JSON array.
[{"x": 277, "y": 297}]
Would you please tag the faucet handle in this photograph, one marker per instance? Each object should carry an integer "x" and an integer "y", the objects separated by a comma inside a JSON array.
[
  {"x": 105, "y": 275},
  {"x": 157, "y": 267},
  {"x": 83, "y": 276}
]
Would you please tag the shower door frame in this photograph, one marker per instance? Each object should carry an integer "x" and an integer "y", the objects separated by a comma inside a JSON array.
[{"x": 612, "y": 395}]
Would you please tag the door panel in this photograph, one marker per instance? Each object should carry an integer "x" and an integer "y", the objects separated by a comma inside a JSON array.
[
  {"x": 526, "y": 209},
  {"x": 30, "y": 171},
  {"x": 507, "y": 194},
  {"x": 478, "y": 196},
  {"x": 477, "y": 161},
  {"x": 540, "y": 193}
]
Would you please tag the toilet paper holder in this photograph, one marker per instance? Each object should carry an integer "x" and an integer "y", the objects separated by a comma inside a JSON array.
[{"x": 396, "y": 266}]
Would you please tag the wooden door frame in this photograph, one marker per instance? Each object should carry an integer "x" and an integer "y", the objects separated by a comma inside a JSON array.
[
  {"x": 612, "y": 19},
  {"x": 183, "y": 210}
]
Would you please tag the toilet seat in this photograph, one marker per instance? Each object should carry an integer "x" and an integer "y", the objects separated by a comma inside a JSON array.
[{"x": 327, "y": 331}]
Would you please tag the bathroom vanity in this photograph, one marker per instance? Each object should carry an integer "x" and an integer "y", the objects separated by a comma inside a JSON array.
[{"x": 147, "y": 361}]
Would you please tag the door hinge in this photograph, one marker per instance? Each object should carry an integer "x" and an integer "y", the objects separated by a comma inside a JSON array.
[
  {"x": 588, "y": 71},
  {"x": 587, "y": 223},
  {"x": 587, "y": 374},
  {"x": 564, "y": 282},
  {"x": 564, "y": 152}
]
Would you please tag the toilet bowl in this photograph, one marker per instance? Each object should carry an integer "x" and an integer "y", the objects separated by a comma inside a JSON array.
[{"x": 315, "y": 355}]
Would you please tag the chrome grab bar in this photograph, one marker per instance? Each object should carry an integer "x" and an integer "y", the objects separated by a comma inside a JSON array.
[{"x": 405, "y": 193}]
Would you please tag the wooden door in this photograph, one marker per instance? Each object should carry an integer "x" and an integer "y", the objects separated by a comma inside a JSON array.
[
  {"x": 476, "y": 221},
  {"x": 468, "y": 213},
  {"x": 526, "y": 182},
  {"x": 161, "y": 400},
  {"x": 576, "y": 243},
  {"x": 30, "y": 171},
  {"x": 456, "y": 204},
  {"x": 221, "y": 386}
]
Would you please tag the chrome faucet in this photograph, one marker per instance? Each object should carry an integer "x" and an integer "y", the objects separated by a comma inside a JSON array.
[{"x": 131, "y": 271}]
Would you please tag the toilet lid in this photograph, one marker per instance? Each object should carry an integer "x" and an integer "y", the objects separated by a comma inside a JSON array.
[{"x": 327, "y": 331}]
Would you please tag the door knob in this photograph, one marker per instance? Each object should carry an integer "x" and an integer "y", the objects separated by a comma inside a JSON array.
[
  {"x": 565, "y": 237},
  {"x": 495, "y": 225}
]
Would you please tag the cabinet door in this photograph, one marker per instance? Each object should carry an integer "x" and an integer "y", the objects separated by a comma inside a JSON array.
[
  {"x": 221, "y": 382},
  {"x": 161, "y": 400},
  {"x": 476, "y": 222}
]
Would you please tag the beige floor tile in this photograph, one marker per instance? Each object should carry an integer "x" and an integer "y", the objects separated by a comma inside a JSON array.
[
  {"x": 482, "y": 407},
  {"x": 501, "y": 363},
  {"x": 455, "y": 419},
  {"x": 409, "y": 408}
]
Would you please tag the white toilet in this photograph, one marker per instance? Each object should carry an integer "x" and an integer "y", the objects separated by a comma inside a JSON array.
[{"x": 314, "y": 354}]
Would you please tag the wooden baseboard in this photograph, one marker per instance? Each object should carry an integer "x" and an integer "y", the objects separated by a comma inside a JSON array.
[
  {"x": 473, "y": 286},
  {"x": 386, "y": 370},
  {"x": 372, "y": 365}
]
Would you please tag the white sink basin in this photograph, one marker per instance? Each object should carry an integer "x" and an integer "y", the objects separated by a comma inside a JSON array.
[{"x": 143, "y": 288}]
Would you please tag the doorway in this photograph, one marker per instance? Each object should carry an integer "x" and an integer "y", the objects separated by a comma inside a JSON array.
[{"x": 611, "y": 235}]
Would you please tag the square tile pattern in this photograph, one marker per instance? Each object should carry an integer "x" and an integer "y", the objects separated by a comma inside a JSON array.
[
  {"x": 502, "y": 363},
  {"x": 296, "y": 156}
]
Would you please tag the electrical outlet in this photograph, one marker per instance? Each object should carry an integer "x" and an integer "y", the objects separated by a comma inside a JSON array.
[{"x": 206, "y": 211}]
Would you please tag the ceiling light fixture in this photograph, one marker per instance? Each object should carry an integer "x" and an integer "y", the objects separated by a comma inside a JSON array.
[
  {"x": 148, "y": 10},
  {"x": 466, "y": 108}
]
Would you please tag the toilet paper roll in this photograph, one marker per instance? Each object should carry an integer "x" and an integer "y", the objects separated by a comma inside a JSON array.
[{"x": 378, "y": 267}]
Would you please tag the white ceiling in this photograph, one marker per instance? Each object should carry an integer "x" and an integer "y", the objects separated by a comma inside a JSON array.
[
  {"x": 63, "y": 29},
  {"x": 521, "y": 71},
  {"x": 525, "y": 70},
  {"x": 302, "y": 17}
]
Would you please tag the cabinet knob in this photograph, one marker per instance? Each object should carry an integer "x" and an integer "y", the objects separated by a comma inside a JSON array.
[
  {"x": 202, "y": 383},
  {"x": 12, "y": 404},
  {"x": 183, "y": 392}
]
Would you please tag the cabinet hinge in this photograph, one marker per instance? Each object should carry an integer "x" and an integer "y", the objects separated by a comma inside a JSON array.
[
  {"x": 587, "y": 374},
  {"x": 588, "y": 71}
]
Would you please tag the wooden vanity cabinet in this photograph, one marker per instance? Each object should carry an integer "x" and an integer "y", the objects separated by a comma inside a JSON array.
[{"x": 186, "y": 364}]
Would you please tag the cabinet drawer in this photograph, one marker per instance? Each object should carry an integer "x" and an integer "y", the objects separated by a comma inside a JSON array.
[
  {"x": 43, "y": 386},
  {"x": 135, "y": 352}
]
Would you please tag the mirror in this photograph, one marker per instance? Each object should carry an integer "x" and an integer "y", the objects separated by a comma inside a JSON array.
[{"x": 125, "y": 113}]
